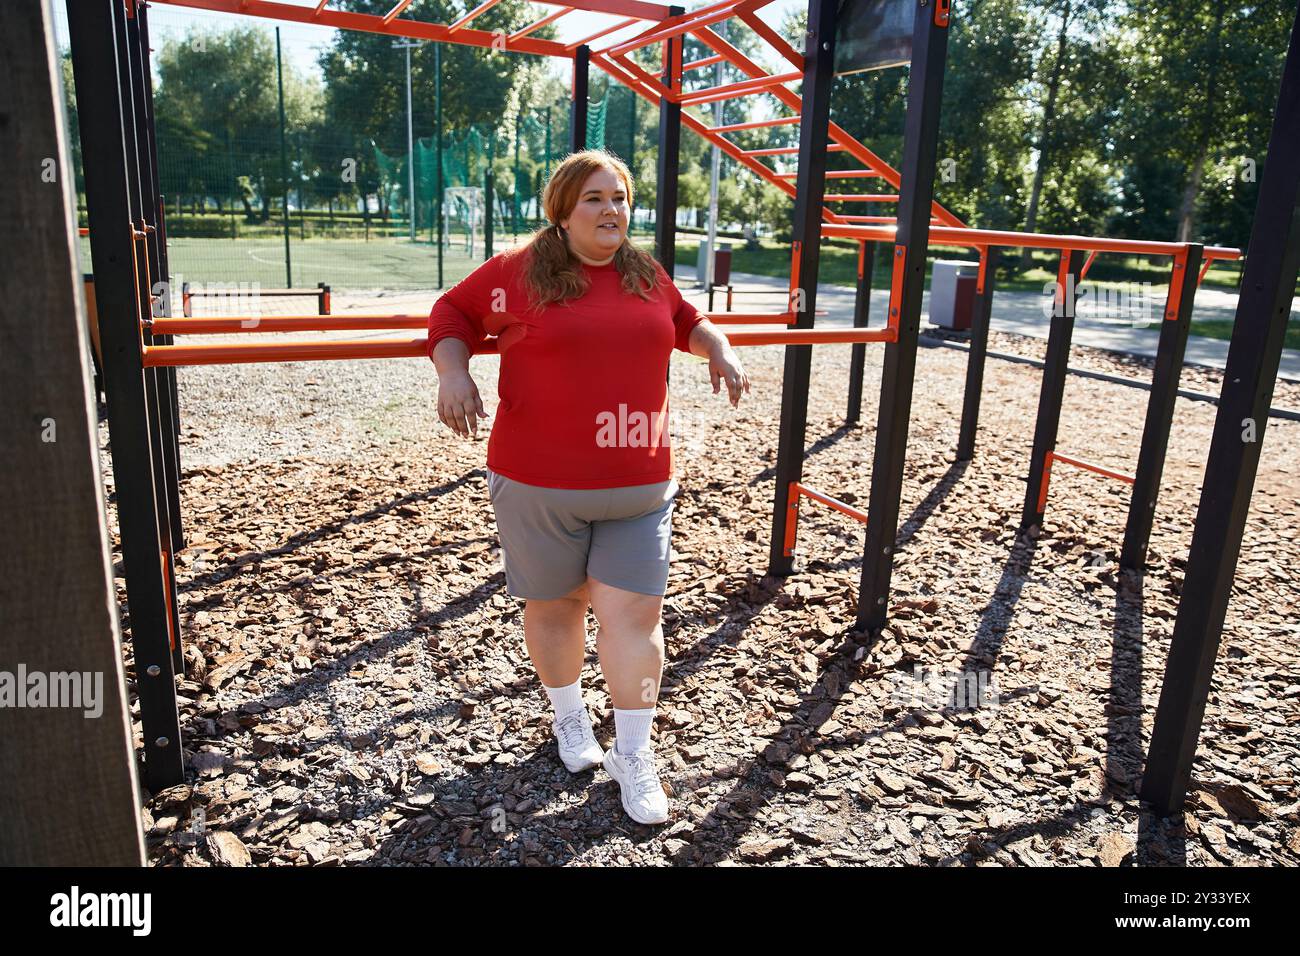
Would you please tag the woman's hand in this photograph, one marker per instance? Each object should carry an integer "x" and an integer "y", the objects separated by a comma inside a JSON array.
[
  {"x": 459, "y": 404},
  {"x": 724, "y": 365}
]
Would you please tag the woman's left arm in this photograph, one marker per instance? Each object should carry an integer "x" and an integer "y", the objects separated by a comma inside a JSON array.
[{"x": 708, "y": 341}]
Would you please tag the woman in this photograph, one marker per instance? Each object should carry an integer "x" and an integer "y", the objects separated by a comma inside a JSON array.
[{"x": 580, "y": 471}]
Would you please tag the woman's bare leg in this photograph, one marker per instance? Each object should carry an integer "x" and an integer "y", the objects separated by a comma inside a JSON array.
[
  {"x": 556, "y": 634},
  {"x": 630, "y": 643}
]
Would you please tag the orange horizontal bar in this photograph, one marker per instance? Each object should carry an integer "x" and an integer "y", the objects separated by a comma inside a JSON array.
[
  {"x": 157, "y": 356},
  {"x": 1091, "y": 466},
  {"x": 701, "y": 64},
  {"x": 835, "y": 503},
  {"x": 753, "y": 318},
  {"x": 951, "y": 236},
  {"x": 83, "y": 231},
  {"x": 812, "y": 336},
  {"x": 600, "y": 33},
  {"x": 841, "y": 174},
  {"x": 399, "y": 27},
  {"x": 463, "y": 21},
  {"x": 540, "y": 23},
  {"x": 284, "y": 323},
  {"x": 734, "y": 90},
  {"x": 787, "y": 150},
  {"x": 757, "y": 124},
  {"x": 861, "y": 197}
]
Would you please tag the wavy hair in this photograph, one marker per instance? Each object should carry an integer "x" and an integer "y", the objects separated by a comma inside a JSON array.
[{"x": 552, "y": 272}]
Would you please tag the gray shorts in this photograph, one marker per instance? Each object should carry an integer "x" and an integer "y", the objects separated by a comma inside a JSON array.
[{"x": 552, "y": 538}]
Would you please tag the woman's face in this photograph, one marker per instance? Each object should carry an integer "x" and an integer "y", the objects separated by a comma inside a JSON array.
[{"x": 597, "y": 226}]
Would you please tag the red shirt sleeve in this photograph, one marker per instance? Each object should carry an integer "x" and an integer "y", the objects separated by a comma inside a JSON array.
[
  {"x": 685, "y": 316},
  {"x": 459, "y": 311}
]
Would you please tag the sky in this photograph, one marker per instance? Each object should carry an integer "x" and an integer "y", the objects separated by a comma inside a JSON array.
[{"x": 301, "y": 42}]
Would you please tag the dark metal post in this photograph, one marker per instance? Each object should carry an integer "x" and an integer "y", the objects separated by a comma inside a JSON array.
[
  {"x": 979, "y": 343},
  {"x": 1248, "y": 379},
  {"x": 97, "y": 30},
  {"x": 1055, "y": 366},
  {"x": 1175, "y": 322},
  {"x": 487, "y": 215},
  {"x": 667, "y": 163},
  {"x": 578, "y": 105},
  {"x": 920, "y": 146},
  {"x": 810, "y": 187},
  {"x": 861, "y": 320},
  {"x": 437, "y": 133}
]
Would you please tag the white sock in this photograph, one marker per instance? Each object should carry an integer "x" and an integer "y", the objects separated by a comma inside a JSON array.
[
  {"x": 632, "y": 729},
  {"x": 566, "y": 699}
]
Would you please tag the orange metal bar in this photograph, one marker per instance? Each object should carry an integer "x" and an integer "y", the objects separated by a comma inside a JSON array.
[
  {"x": 1087, "y": 265},
  {"x": 861, "y": 197},
  {"x": 539, "y": 24},
  {"x": 1052, "y": 456},
  {"x": 792, "y": 300},
  {"x": 843, "y": 174},
  {"x": 791, "y": 518},
  {"x": 392, "y": 14},
  {"x": 373, "y": 23},
  {"x": 731, "y": 91},
  {"x": 690, "y": 20},
  {"x": 1062, "y": 280},
  {"x": 984, "y": 270},
  {"x": 701, "y": 64},
  {"x": 792, "y": 56},
  {"x": 464, "y": 21},
  {"x": 83, "y": 231},
  {"x": 600, "y": 33},
  {"x": 319, "y": 7},
  {"x": 227, "y": 324},
  {"x": 835, "y": 503},
  {"x": 745, "y": 337},
  {"x": 1175, "y": 297},
  {"x": 788, "y": 150},
  {"x": 167, "y": 599},
  {"x": 949, "y": 236},
  {"x": 896, "y": 288},
  {"x": 1205, "y": 267},
  {"x": 758, "y": 124}
]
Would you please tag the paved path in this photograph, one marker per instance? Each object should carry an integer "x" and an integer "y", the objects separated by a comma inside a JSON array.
[{"x": 1017, "y": 312}]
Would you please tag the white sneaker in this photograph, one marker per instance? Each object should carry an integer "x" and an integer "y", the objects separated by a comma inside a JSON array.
[
  {"x": 643, "y": 795},
  {"x": 578, "y": 746}
]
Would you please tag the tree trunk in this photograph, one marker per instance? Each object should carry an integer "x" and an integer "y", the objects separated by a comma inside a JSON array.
[
  {"x": 1049, "y": 117},
  {"x": 1187, "y": 208}
]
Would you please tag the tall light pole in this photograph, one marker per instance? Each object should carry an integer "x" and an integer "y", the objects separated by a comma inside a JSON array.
[{"x": 410, "y": 138}]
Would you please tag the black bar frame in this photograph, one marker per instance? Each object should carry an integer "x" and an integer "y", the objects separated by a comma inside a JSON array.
[
  {"x": 1055, "y": 368},
  {"x": 810, "y": 187},
  {"x": 1249, "y": 376},
  {"x": 97, "y": 32},
  {"x": 1184, "y": 275},
  {"x": 668, "y": 162},
  {"x": 861, "y": 320},
  {"x": 916, "y": 195},
  {"x": 578, "y": 105},
  {"x": 979, "y": 345}
]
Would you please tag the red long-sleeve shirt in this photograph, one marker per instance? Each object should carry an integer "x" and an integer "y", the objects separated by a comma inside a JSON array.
[{"x": 582, "y": 387}]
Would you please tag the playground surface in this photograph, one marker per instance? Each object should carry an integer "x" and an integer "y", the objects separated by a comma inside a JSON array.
[{"x": 358, "y": 691}]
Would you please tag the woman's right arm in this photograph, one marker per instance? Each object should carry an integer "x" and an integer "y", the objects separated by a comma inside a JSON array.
[
  {"x": 455, "y": 329},
  {"x": 459, "y": 404}
]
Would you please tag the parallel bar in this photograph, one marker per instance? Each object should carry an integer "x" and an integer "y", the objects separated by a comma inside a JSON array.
[
  {"x": 731, "y": 91},
  {"x": 1249, "y": 376},
  {"x": 1160, "y": 408},
  {"x": 520, "y": 34},
  {"x": 916, "y": 205},
  {"x": 472, "y": 15},
  {"x": 756, "y": 124},
  {"x": 1052, "y": 390},
  {"x": 965, "y": 238},
  {"x": 600, "y": 33}
]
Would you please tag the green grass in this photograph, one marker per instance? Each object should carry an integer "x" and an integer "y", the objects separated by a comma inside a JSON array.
[{"x": 1222, "y": 329}]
